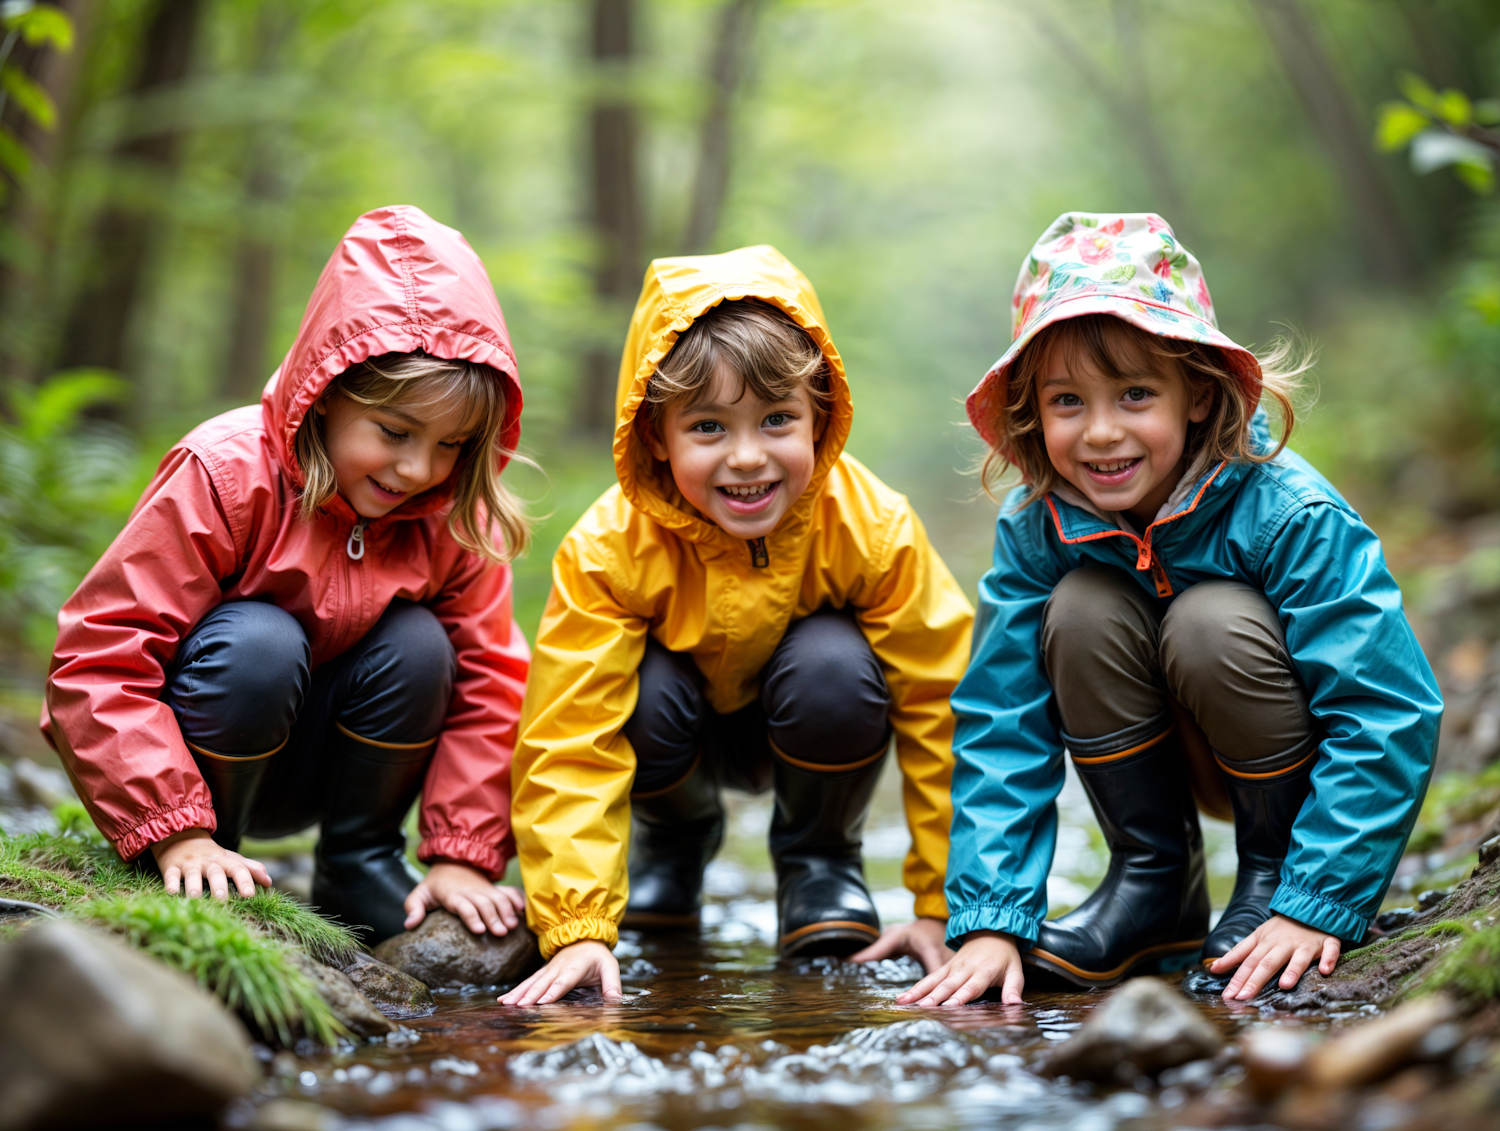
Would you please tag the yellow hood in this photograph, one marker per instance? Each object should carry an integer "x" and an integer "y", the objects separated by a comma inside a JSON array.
[
  {"x": 643, "y": 563},
  {"x": 676, "y": 293}
]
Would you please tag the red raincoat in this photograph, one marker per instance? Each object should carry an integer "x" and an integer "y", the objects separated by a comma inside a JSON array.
[{"x": 219, "y": 523}]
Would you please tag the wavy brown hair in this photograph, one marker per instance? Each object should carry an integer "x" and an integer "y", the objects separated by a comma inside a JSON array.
[
  {"x": 1126, "y": 352},
  {"x": 481, "y": 502}
]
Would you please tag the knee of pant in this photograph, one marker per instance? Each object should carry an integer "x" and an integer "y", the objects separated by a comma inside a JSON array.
[
  {"x": 824, "y": 695},
  {"x": 665, "y": 727},
  {"x": 409, "y": 648},
  {"x": 240, "y": 678},
  {"x": 1093, "y": 605},
  {"x": 1209, "y": 628}
]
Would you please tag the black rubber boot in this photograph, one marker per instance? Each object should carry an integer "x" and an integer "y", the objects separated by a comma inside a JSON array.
[
  {"x": 822, "y": 904},
  {"x": 233, "y": 783},
  {"x": 1150, "y": 914},
  {"x": 361, "y": 875},
  {"x": 1265, "y": 806},
  {"x": 674, "y": 833}
]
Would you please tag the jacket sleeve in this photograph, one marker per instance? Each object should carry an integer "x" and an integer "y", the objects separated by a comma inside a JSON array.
[
  {"x": 466, "y": 797},
  {"x": 918, "y": 623},
  {"x": 1008, "y": 752},
  {"x": 1377, "y": 703},
  {"x": 116, "y": 637},
  {"x": 573, "y": 766}
]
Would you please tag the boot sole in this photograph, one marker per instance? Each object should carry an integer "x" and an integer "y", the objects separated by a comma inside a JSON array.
[
  {"x": 1165, "y": 958},
  {"x": 836, "y": 937},
  {"x": 660, "y": 921}
]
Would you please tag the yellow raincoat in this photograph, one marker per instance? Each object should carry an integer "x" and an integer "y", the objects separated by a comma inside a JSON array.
[{"x": 642, "y": 560}]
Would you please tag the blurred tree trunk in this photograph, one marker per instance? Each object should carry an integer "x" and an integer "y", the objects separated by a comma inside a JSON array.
[
  {"x": 253, "y": 302},
  {"x": 27, "y": 215},
  {"x": 1379, "y": 223},
  {"x": 725, "y": 75},
  {"x": 94, "y": 333},
  {"x": 616, "y": 211}
]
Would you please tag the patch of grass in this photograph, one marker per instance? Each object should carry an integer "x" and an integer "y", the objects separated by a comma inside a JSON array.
[
  {"x": 1470, "y": 971},
  {"x": 283, "y": 917},
  {"x": 252, "y": 974}
]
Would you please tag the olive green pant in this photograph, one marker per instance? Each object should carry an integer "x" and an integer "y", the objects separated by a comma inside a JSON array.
[{"x": 1123, "y": 671}]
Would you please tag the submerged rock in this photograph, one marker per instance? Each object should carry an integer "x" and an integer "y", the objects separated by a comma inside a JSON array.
[
  {"x": 1370, "y": 1051},
  {"x": 1145, "y": 1025},
  {"x": 358, "y": 1013},
  {"x": 397, "y": 994},
  {"x": 93, "y": 1033},
  {"x": 443, "y": 952}
]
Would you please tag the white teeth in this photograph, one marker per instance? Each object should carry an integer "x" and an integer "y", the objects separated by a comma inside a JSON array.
[
  {"x": 754, "y": 492},
  {"x": 1108, "y": 468}
]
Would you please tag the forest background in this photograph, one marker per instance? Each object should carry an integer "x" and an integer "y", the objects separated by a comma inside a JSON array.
[{"x": 177, "y": 171}]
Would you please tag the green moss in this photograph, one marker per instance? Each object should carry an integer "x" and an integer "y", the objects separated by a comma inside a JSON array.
[
  {"x": 280, "y": 915},
  {"x": 251, "y": 973},
  {"x": 1470, "y": 971}
]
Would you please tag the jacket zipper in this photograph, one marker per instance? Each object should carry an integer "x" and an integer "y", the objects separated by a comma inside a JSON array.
[
  {"x": 355, "y": 547},
  {"x": 760, "y": 557}
]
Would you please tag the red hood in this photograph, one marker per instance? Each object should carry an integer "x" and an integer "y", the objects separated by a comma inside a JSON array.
[{"x": 398, "y": 281}]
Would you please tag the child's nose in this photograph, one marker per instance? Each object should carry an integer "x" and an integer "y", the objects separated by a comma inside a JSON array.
[
  {"x": 1101, "y": 429},
  {"x": 415, "y": 467},
  {"x": 746, "y": 454}
]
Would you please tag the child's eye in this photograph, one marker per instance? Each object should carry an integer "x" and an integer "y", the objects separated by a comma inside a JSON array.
[
  {"x": 707, "y": 427},
  {"x": 1067, "y": 400},
  {"x": 778, "y": 419},
  {"x": 1137, "y": 394},
  {"x": 389, "y": 434},
  {"x": 452, "y": 445}
]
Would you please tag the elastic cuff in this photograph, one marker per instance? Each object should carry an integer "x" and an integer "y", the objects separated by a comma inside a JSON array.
[
  {"x": 1320, "y": 913},
  {"x": 993, "y": 917},
  {"x": 930, "y": 905},
  {"x": 465, "y": 850},
  {"x": 1122, "y": 743},
  {"x": 553, "y": 939},
  {"x": 162, "y": 824}
]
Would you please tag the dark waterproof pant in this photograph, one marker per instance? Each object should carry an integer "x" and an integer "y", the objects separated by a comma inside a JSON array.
[
  {"x": 823, "y": 702},
  {"x": 1116, "y": 662},
  {"x": 241, "y": 688}
]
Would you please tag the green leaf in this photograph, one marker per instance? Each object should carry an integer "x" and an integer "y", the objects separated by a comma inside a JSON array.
[
  {"x": 1398, "y": 123},
  {"x": 1455, "y": 108},
  {"x": 1418, "y": 91},
  {"x": 45, "y": 24},
  {"x": 1034, "y": 266},
  {"x": 1480, "y": 178},
  {"x": 13, "y": 156},
  {"x": 31, "y": 98},
  {"x": 55, "y": 406},
  {"x": 1121, "y": 274},
  {"x": 1180, "y": 259}
]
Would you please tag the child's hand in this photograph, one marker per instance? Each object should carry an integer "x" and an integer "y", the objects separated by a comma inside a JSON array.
[
  {"x": 1277, "y": 942},
  {"x": 923, "y": 940},
  {"x": 584, "y": 963},
  {"x": 986, "y": 959},
  {"x": 468, "y": 893},
  {"x": 191, "y": 858}
]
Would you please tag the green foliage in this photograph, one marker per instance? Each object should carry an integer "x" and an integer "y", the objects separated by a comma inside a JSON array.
[
  {"x": 1443, "y": 130},
  {"x": 66, "y": 485},
  {"x": 252, "y": 974},
  {"x": 37, "y": 25},
  {"x": 1470, "y": 971},
  {"x": 281, "y": 916},
  {"x": 1454, "y": 799}
]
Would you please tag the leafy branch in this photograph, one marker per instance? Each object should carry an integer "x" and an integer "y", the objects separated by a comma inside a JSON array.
[
  {"x": 1445, "y": 129},
  {"x": 36, "y": 25}
]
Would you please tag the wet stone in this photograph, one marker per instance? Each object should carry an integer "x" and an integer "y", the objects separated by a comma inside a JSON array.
[
  {"x": 1396, "y": 919},
  {"x": 1144, "y": 1025},
  {"x": 1371, "y": 1050},
  {"x": 397, "y": 994},
  {"x": 443, "y": 952},
  {"x": 1429, "y": 899},
  {"x": 1274, "y": 1058},
  {"x": 93, "y": 1033},
  {"x": 358, "y": 1013}
]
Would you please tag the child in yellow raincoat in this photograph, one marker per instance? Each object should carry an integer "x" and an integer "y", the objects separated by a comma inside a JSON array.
[{"x": 749, "y": 607}]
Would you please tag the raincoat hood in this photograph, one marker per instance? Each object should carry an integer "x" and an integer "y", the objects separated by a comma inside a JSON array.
[
  {"x": 397, "y": 282},
  {"x": 677, "y": 292},
  {"x": 1129, "y": 265}
]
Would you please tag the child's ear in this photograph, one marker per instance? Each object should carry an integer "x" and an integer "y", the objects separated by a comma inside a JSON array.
[
  {"x": 1203, "y": 401},
  {"x": 645, "y": 426},
  {"x": 320, "y": 406}
]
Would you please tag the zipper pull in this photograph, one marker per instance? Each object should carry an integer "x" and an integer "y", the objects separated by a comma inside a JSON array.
[
  {"x": 759, "y": 557},
  {"x": 356, "y": 544}
]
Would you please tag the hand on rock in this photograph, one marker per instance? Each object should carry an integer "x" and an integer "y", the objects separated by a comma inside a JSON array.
[
  {"x": 469, "y": 894},
  {"x": 1277, "y": 942},
  {"x": 923, "y": 940},
  {"x": 987, "y": 958},
  {"x": 190, "y": 859},
  {"x": 584, "y": 963}
]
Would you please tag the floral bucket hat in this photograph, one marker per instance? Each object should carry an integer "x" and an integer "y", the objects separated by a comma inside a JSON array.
[{"x": 1129, "y": 265}]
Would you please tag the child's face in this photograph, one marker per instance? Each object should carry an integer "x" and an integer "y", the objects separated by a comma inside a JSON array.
[
  {"x": 383, "y": 456},
  {"x": 742, "y": 461},
  {"x": 1121, "y": 442}
]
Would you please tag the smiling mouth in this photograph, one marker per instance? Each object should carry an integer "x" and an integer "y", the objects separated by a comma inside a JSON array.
[
  {"x": 749, "y": 497},
  {"x": 382, "y": 489},
  {"x": 1113, "y": 470}
]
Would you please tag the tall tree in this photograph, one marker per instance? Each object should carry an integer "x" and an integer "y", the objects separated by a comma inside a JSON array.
[
  {"x": 726, "y": 74},
  {"x": 1381, "y": 227},
  {"x": 616, "y": 209},
  {"x": 95, "y": 331}
]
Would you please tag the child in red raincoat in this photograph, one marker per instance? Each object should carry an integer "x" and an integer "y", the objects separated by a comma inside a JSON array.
[{"x": 307, "y": 618}]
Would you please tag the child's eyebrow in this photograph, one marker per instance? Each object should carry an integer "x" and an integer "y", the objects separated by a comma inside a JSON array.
[{"x": 401, "y": 414}]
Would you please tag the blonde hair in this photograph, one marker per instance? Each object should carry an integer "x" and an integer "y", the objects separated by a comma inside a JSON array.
[
  {"x": 773, "y": 356},
  {"x": 1124, "y": 351},
  {"x": 480, "y": 500}
]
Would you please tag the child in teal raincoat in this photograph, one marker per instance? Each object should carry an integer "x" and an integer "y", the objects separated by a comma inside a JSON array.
[{"x": 1184, "y": 607}]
